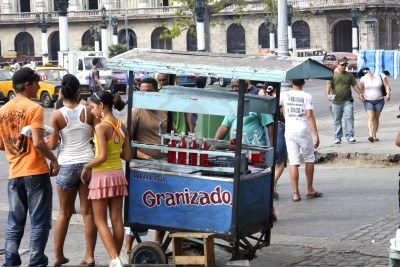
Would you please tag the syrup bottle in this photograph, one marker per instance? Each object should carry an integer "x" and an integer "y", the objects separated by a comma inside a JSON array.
[
  {"x": 204, "y": 157},
  {"x": 182, "y": 155},
  {"x": 245, "y": 141},
  {"x": 193, "y": 156},
  {"x": 171, "y": 156},
  {"x": 233, "y": 141},
  {"x": 255, "y": 155}
]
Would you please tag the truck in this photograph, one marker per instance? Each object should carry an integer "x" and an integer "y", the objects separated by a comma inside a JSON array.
[{"x": 79, "y": 63}]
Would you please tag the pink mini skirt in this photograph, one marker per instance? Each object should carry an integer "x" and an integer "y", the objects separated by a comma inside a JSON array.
[{"x": 108, "y": 184}]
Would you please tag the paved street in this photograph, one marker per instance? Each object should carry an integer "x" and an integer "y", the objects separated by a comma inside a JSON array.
[{"x": 350, "y": 226}]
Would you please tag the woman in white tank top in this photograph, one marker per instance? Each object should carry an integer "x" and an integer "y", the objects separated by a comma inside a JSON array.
[{"x": 74, "y": 123}]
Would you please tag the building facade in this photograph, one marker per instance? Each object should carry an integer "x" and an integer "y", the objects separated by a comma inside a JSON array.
[{"x": 324, "y": 24}]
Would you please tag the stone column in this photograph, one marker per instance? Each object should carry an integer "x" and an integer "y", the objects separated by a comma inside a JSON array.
[
  {"x": 63, "y": 29},
  {"x": 199, "y": 10},
  {"x": 282, "y": 28}
]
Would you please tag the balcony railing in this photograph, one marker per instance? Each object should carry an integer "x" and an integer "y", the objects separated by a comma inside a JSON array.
[{"x": 252, "y": 6}]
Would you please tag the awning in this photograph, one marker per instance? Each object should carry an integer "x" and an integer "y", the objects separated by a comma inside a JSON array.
[{"x": 235, "y": 66}]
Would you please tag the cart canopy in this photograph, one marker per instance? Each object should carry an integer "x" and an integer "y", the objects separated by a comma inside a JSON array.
[{"x": 235, "y": 66}]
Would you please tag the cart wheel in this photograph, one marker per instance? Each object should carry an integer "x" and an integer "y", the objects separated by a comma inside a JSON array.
[{"x": 147, "y": 253}]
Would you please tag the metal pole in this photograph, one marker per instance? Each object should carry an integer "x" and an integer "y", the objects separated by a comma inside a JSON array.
[
  {"x": 238, "y": 163},
  {"x": 126, "y": 26},
  {"x": 282, "y": 28}
]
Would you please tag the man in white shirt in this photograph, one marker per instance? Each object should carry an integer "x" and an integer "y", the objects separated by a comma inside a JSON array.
[
  {"x": 301, "y": 134},
  {"x": 14, "y": 65}
]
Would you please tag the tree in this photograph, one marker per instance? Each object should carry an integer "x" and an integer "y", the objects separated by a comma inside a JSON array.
[
  {"x": 184, "y": 16},
  {"x": 86, "y": 48},
  {"x": 116, "y": 50}
]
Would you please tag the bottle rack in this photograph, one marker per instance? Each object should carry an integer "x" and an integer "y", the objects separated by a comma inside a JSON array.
[{"x": 222, "y": 150}]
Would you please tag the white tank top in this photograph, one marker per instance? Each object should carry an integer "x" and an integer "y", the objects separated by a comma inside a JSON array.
[{"x": 75, "y": 144}]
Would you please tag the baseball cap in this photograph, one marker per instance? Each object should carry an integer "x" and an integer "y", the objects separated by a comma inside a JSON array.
[
  {"x": 24, "y": 75},
  {"x": 342, "y": 61}
]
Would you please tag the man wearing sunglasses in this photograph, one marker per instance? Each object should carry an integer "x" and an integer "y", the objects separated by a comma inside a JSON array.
[{"x": 338, "y": 90}]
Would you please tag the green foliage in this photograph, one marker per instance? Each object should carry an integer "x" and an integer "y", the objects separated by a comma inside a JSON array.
[
  {"x": 184, "y": 17},
  {"x": 86, "y": 48},
  {"x": 116, "y": 50}
]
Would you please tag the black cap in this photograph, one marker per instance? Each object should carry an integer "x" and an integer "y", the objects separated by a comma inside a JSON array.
[
  {"x": 24, "y": 75},
  {"x": 387, "y": 73}
]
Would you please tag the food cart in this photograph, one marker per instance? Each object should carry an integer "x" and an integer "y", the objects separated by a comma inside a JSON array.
[{"x": 230, "y": 197}]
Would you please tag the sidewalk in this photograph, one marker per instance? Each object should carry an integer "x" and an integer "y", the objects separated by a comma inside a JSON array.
[{"x": 382, "y": 152}]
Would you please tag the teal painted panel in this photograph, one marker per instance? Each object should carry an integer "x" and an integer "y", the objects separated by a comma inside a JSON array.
[
  {"x": 259, "y": 68},
  {"x": 195, "y": 103}
]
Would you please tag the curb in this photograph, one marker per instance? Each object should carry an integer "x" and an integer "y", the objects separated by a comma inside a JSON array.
[{"x": 362, "y": 158}]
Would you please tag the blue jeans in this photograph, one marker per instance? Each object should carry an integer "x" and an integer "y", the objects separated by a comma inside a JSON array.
[
  {"x": 345, "y": 111},
  {"x": 31, "y": 194}
]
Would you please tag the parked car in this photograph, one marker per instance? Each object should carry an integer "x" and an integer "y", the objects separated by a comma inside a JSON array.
[
  {"x": 5, "y": 83},
  {"x": 331, "y": 61},
  {"x": 50, "y": 85},
  {"x": 223, "y": 82},
  {"x": 118, "y": 82}
]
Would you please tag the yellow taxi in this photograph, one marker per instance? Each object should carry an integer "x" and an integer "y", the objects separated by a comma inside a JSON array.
[
  {"x": 6, "y": 85},
  {"x": 50, "y": 84}
]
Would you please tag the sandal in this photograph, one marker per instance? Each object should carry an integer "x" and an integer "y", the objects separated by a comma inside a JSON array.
[
  {"x": 296, "y": 199},
  {"x": 376, "y": 139},
  {"x": 371, "y": 139},
  {"x": 315, "y": 194},
  {"x": 85, "y": 263}
]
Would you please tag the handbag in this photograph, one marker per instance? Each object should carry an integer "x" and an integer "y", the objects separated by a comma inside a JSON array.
[{"x": 383, "y": 89}]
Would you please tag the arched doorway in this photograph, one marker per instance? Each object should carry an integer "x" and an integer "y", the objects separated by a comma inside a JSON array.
[
  {"x": 301, "y": 31},
  {"x": 191, "y": 39},
  {"x": 263, "y": 36},
  {"x": 131, "y": 35},
  {"x": 88, "y": 40},
  {"x": 341, "y": 36},
  {"x": 160, "y": 43},
  {"x": 54, "y": 45},
  {"x": 395, "y": 34},
  {"x": 24, "y": 45},
  {"x": 383, "y": 40},
  {"x": 235, "y": 39}
]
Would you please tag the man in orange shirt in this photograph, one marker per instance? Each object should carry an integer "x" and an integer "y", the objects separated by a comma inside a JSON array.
[{"x": 29, "y": 185}]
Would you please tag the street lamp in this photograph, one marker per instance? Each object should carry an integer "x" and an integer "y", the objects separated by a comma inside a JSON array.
[
  {"x": 114, "y": 25},
  {"x": 271, "y": 28},
  {"x": 199, "y": 11},
  {"x": 354, "y": 15},
  {"x": 289, "y": 23},
  {"x": 94, "y": 32},
  {"x": 104, "y": 39},
  {"x": 44, "y": 22},
  {"x": 63, "y": 32}
]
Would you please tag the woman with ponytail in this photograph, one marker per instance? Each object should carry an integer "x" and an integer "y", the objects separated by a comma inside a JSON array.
[{"x": 108, "y": 184}]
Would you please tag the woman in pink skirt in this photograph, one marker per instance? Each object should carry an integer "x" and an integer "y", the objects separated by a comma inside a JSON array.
[{"x": 108, "y": 184}]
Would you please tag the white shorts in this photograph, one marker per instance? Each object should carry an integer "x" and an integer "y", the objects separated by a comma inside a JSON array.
[{"x": 297, "y": 143}]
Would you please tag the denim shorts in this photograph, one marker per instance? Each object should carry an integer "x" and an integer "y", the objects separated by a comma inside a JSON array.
[
  {"x": 281, "y": 144},
  {"x": 69, "y": 176},
  {"x": 375, "y": 105}
]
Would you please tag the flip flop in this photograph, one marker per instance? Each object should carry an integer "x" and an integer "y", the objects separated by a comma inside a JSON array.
[
  {"x": 296, "y": 200},
  {"x": 84, "y": 263},
  {"x": 315, "y": 194}
]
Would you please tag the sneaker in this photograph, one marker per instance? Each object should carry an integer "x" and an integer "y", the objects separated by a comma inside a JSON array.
[
  {"x": 337, "y": 141},
  {"x": 115, "y": 263},
  {"x": 124, "y": 257},
  {"x": 351, "y": 140}
]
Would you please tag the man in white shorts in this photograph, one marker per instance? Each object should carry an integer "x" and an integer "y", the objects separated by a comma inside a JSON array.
[{"x": 301, "y": 135}]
